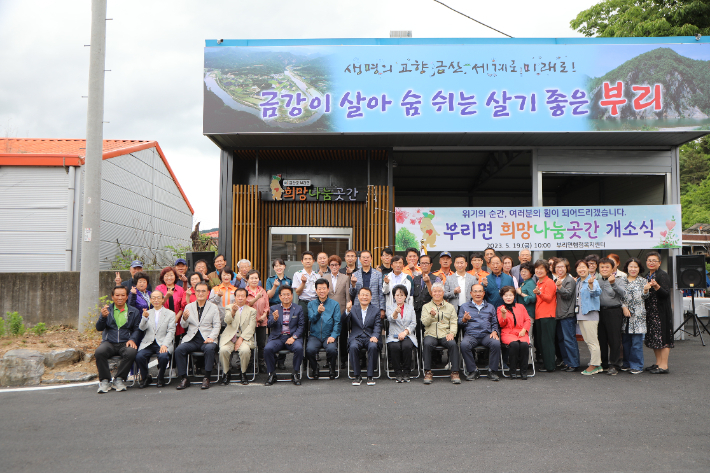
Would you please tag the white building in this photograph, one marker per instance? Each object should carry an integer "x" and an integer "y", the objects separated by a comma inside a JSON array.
[{"x": 143, "y": 207}]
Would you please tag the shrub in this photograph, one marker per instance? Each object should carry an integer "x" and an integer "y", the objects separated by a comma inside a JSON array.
[
  {"x": 2, "y": 327},
  {"x": 15, "y": 324},
  {"x": 39, "y": 329}
]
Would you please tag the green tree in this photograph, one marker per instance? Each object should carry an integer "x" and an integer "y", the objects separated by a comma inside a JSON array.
[
  {"x": 619, "y": 18},
  {"x": 694, "y": 164},
  {"x": 696, "y": 204},
  {"x": 405, "y": 239}
]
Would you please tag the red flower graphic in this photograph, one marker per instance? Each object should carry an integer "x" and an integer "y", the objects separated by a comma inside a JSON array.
[
  {"x": 400, "y": 215},
  {"x": 412, "y": 221}
]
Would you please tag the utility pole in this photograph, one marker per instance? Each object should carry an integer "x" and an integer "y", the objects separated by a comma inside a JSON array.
[{"x": 89, "y": 277}]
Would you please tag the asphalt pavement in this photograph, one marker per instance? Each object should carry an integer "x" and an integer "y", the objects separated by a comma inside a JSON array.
[{"x": 552, "y": 422}]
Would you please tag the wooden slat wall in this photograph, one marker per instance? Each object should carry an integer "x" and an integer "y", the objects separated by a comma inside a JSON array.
[
  {"x": 245, "y": 241},
  {"x": 252, "y": 219}
]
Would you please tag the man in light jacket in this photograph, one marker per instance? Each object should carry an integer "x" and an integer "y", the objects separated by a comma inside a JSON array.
[
  {"x": 457, "y": 288},
  {"x": 159, "y": 328},
  {"x": 368, "y": 277},
  {"x": 201, "y": 321},
  {"x": 238, "y": 336},
  {"x": 440, "y": 327}
]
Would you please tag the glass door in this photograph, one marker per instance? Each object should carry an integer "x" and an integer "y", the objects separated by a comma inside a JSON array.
[{"x": 289, "y": 243}]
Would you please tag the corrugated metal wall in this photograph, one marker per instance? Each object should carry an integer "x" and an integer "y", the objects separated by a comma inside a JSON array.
[
  {"x": 33, "y": 218},
  {"x": 141, "y": 209}
]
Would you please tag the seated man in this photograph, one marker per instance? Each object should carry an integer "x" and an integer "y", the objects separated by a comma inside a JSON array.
[
  {"x": 201, "y": 321},
  {"x": 324, "y": 317},
  {"x": 119, "y": 323},
  {"x": 286, "y": 323},
  {"x": 365, "y": 332},
  {"x": 237, "y": 336},
  {"x": 159, "y": 328},
  {"x": 440, "y": 326},
  {"x": 479, "y": 322}
]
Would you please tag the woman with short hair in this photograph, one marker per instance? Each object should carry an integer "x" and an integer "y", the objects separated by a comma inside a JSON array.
[
  {"x": 514, "y": 323},
  {"x": 659, "y": 314},
  {"x": 259, "y": 300},
  {"x": 401, "y": 337},
  {"x": 174, "y": 295},
  {"x": 545, "y": 310},
  {"x": 274, "y": 282},
  {"x": 633, "y": 326},
  {"x": 139, "y": 296}
]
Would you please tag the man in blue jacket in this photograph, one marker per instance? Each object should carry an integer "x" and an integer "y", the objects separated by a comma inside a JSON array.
[
  {"x": 364, "y": 333},
  {"x": 324, "y": 318},
  {"x": 286, "y": 323},
  {"x": 479, "y": 322},
  {"x": 495, "y": 281},
  {"x": 119, "y": 323}
]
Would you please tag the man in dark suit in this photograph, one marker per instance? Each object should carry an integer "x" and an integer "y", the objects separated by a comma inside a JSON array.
[
  {"x": 286, "y": 324},
  {"x": 365, "y": 332},
  {"x": 421, "y": 290}
]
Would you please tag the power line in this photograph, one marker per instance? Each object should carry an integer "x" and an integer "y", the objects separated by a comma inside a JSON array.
[{"x": 505, "y": 34}]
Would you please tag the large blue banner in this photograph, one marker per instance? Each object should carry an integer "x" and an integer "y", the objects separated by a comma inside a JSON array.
[{"x": 457, "y": 88}]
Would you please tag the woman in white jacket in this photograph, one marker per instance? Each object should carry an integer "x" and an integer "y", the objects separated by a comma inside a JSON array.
[{"x": 401, "y": 338}]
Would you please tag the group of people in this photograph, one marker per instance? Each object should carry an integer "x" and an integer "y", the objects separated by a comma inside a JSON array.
[{"x": 350, "y": 307}]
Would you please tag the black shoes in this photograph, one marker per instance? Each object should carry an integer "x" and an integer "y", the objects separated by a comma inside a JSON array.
[
  {"x": 659, "y": 371},
  {"x": 523, "y": 375},
  {"x": 315, "y": 373},
  {"x": 146, "y": 382},
  {"x": 406, "y": 376},
  {"x": 160, "y": 383},
  {"x": 357, "y": 380},
  {"x": 184, "y": 384},
  {"x": 513, "y": 376},
  {"x": 296, "y": 379},
  {"x": 612, "y": 371},
  {"x": 651, "y": 368},
  {"x": 473, "y": 376},
  {"x": 225, "y": 379},
  {"x": 331, "y": 373},
  {"x": 270, "y": 380},
  {"x": 205, "y": 383},
  {"x": 370, "y": 381},
  {"x": 569, "y": 369},
  {"x": 398, "y": 377},
  {"x": 262, "y": 368},
  {"x": 493, "y": 376},
  {"x": 245, "y": 381}
]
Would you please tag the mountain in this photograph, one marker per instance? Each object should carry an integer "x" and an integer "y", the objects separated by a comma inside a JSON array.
[
  {"x": 269, "y": 62},
  {"x": 685, "y": 82}
]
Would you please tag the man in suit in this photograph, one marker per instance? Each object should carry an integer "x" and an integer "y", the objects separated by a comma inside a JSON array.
[
  {"x": 495, "y": 281},
  {"x": 119, "y": 323},
  {"x": 524, "y": 256},
  {"x": 286, "y": 324},
  {"x": 201, "y": 321},
  {"x": 365, "y": 331},
  {"x": 370, "y": 278},
  {"x": 339, "y": 292},
  {"x": 324, "y": 319},
  {"x": 458, "y": 287},
  {"x": 238, "y": 336},
  {"x": 159, "y": 328}
]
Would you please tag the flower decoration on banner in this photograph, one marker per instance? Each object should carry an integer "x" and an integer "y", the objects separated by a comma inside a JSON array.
[
  {"x": 669, "y": 239},
  {"x": 400, "y": 215}
]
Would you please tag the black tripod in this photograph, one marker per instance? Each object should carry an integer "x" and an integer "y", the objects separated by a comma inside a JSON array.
[{"x": 698, "y": 326}]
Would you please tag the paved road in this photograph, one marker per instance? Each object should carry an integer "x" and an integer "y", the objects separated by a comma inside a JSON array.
[{"x": 553, "y": 422}]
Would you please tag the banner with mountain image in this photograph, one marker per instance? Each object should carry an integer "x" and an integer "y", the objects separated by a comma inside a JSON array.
[
  {"x": 457, "y": 88},
  {"x": 538, "y": 228}
]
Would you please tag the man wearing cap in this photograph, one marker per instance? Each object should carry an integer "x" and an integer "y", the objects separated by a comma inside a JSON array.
[
  {"x": 136, "y": 267},
  {"x": 181, "y": 269},
  {"x": 445, "y": 263}
]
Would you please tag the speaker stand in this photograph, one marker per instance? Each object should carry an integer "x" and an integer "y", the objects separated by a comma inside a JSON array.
[{"x": 698, "y": 326}]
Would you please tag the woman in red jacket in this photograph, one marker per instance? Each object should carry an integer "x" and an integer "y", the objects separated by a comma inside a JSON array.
[
  {"x": 545, "y": 308},
  {"x": 514, "y": 323}
]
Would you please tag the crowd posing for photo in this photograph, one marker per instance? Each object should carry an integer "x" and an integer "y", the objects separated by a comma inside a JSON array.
[{"x": 522, "y": 316}]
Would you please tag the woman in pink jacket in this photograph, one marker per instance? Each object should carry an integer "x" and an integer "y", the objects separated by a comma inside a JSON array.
[{"x": 514, "y": 323}]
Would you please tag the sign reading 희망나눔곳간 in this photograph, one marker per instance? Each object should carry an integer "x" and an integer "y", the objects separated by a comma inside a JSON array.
[
  {"x": 538, "y": 228},
  {"x": 299, "y": 190},
  {"x": 456, "y": 87}
]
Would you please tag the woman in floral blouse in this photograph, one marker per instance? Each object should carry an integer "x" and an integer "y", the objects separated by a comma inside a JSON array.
[{"x": 633, "y": 327}]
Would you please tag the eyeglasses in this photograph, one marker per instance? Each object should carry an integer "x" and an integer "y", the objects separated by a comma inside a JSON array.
[
  {"x": 652, "y": 261},
  {"x": 424, "y": 264}
]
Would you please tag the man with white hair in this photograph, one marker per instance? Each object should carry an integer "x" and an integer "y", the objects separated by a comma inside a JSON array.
[
  {"x": 240, "y": 275},
  {"x": 440, "y": 323},
  {"x": 524, "y": 256}
]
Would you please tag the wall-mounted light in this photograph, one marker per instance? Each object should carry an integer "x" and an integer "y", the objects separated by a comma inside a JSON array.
[
  {"x": 698, "y": 36},
  {"x": 220, "y": 41}
]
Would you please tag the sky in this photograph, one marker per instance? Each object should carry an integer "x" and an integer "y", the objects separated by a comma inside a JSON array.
[{"x": 154, "y": 50}]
